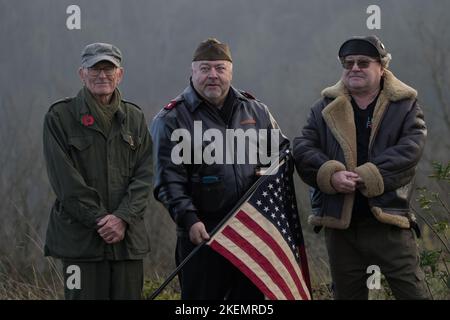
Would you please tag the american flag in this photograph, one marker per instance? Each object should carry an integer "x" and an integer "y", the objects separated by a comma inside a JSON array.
[{"x": 263, "y": 238}]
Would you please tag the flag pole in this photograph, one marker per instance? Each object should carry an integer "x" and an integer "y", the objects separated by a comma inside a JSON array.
[{"x": 217, "y": 228}]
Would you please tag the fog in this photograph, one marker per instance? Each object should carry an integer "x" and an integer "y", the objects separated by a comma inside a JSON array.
[{"x": 284, "y": 53}]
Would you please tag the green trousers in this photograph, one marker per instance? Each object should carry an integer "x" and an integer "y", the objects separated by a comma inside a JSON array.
[
  {"x": 103, "y": 280},
  {"x": 371, "y": 243}
]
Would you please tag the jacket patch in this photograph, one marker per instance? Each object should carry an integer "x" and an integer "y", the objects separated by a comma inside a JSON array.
[{"x": 172, "y": 104}]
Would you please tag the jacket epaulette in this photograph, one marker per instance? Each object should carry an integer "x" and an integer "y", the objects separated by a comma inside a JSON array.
[
  {"x": 132, "y": 103},
  {"x": 66, "y": 99},
  {"x": 172, "y": 104},
  {"x": 247, "y": 95},
  {"x": 169, "y": 107}
]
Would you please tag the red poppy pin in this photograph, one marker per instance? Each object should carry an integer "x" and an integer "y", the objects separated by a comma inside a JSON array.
[{"x": 87, "y": 120}]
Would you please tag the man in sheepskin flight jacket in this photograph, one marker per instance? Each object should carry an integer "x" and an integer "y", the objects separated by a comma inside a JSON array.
[{"x": 359, "y": 151}]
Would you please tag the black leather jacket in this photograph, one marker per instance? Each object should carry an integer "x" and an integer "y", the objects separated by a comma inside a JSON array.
[{"x": 199, "y": 191}]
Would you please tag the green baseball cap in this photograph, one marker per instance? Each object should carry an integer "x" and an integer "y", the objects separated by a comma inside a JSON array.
[{"x": 96, "y": 52}]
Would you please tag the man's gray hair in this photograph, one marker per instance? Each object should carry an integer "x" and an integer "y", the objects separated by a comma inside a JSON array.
[{"x": 385, "y": 60}]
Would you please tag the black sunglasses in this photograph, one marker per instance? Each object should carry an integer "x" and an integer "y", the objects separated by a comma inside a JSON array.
[{"x": 361, "y": 63}]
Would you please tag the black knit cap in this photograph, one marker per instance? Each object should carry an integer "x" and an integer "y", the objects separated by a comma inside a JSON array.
[
  {"x": 212, "y": 49},
  {"x": 370, "y": 46}
]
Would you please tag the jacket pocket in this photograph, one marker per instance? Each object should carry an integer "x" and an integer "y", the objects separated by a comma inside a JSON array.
[
  {"x": 136, "y": 237},
  {"x": 83, "y": 156},
  {"x": 80, "y": 143},
  {"x": 68, "y": 238},
  {"x": 128, "y": 153},
  {"x": 208, "y": 193}
]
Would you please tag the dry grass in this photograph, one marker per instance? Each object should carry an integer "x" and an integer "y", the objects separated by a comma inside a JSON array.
[{"x": 28, "y": 283}]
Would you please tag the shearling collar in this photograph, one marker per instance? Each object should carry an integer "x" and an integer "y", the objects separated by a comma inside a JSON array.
[{"x": 394, "y": 89}]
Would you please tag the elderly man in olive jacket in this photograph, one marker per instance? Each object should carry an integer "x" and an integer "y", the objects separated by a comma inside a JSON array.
[
  {"x": 359, "y": 151},
  {"x": 98, "y": 153}
]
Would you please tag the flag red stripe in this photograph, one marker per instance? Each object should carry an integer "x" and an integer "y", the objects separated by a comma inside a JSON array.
[
  {"x": 305, "y": 268},
  {"x": 268, "y": 239},
  {"x": 244, "y": 268},
  {"x": 262, "y": 261}
]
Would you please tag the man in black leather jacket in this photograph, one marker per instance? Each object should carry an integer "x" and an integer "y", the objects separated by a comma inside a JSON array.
[
  {"x": 359, "y": 151},
  {"x": 199, "y": 191}
]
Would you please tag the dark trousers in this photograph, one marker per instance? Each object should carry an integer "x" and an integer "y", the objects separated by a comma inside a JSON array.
[
  {"x": 208, "y": 275},
  {"x": 392, "y": 249},
  {"x": 103, "y": 280}
]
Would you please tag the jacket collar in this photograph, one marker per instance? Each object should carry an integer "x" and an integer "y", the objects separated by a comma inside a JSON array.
[
  {"x": 81, "y": 109},
  {"x": 193, "y": 100},
  {"x": 393, "y": 89}
]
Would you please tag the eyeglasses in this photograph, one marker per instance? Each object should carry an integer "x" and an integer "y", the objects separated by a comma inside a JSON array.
[
  {"x": 95, "y": 72},
  {"x": 362, "y": 63}
]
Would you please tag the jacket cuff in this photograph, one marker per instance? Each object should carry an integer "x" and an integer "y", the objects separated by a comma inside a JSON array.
[
  {"x": 324, "y": 174},
  {"x": 187, "y": 220},
  {"x": 373, "y": 181},
  {"x": 122, "y": 214},
  {"x": 91, "y": 219}
]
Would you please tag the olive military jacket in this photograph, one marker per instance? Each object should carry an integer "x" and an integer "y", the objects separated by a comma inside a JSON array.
[{"x": 93, "y": 175}]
